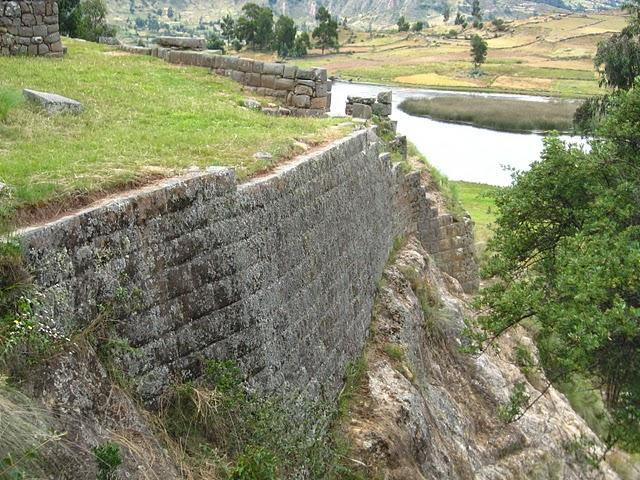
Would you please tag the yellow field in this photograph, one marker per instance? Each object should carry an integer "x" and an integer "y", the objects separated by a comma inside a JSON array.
[{"x": 545, "y": 55}]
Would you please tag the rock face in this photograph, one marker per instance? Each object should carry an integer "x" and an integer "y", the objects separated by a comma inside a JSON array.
[
  {"x": 52, "y": 102},
  {"x": 29, "y": 28},
  {"x": 430, "y": 412}
]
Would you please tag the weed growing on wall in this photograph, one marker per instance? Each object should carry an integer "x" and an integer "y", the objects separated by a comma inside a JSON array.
[{"x": 244, "y": 435}]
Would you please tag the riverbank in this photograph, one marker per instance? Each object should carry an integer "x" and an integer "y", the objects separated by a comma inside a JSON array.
[{"x": 501, "y": 114}]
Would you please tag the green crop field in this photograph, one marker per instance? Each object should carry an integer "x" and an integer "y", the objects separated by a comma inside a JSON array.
[{"x": 144, "y": 119}]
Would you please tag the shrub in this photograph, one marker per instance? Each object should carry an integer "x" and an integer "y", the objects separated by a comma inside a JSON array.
[
  {"x": 9, "y": 99},
  {"x": 108, "y": 458}
]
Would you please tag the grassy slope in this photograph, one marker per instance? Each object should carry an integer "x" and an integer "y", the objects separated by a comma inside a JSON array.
[
  {"x": 144, "y": 119},
  {"x": 550, "y": 56},
  {"x": 476, "y": 199},
  {"x": 496, "y": 113}
]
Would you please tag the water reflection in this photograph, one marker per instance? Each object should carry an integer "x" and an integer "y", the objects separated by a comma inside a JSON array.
[{"x": 461, "y": 152}]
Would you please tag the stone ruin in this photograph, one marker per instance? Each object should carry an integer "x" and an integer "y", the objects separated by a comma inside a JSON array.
[
  {"x": 30, "y": 28},
  {"x": 304, "y": 92},
  {"x": 366, "y": 107}
]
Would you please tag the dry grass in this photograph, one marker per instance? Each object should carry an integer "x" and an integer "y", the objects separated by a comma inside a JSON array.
[{"x": 498, "y": 114}]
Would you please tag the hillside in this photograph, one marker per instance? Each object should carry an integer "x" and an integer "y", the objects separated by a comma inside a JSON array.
[{"x": 360, "y": 14}]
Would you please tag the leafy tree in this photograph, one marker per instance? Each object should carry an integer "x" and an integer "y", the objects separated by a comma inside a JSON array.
[
  {"x": 215, "y": 42},
  {"x": 476, "y": 12},
  {"x": 446, "y": 12},
  {"x": 403, "y": 25},
  {"x": 284, "y": 35},
  {"x": 566, "y": 254},
  {"x": 478, "y": 51},
  {"x": 301, "y": 45},
  {"x": 500, "y": 25},
  {"x": 417, "y": 27},
  {"x": 255, "y": 26},
  {"x": 459, "y": 20},
  {"x": 228, "y": 28},
  {"x": 132, "y": 6},
  {"x": 93, "y": 20},
  {"x": 140, "y": 22},
  {"x": 170, "y": 12},
  {"x": 69, "y": 17},
  {"x": 326, "y": 33},
  {"x": 152, "y": 23}
]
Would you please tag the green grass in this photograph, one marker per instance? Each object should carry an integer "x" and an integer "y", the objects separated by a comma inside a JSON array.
[
  {"x": 494, "y": 113},
  {"x": 9, "y": 98},
  {"x": 476, "y": 199},
  {"x": 144, "y": 119}
]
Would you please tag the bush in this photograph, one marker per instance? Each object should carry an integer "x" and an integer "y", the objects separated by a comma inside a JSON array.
[
  {"x": 9, "y": 99},
  {"x": 108, "y": 458}
]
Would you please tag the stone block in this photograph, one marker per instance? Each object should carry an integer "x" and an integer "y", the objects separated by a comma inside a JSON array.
[
  {"x": 361, "y": 110},
  {"x": 269, "y": 81},
  {"x": 51, "y": 19},
  {"x": 39, "y": 8},
  {"x": 303, "y": 90},
  {"x": 319, "y": 102},
  {"x": 54, "y": 37},
  {"x": 289, "y": 71},
  {"x": 382, "y": 109},
  {"x": 257, "y": 66},
  {"x": 12, "y": 9},
  {"x": 385, "y": 97},
  {"x": 270, "y": 68},
  {"x": 29, "y": 20},
  {"x": 306, "y": 74},
  {"x": 321, "y": 89},
  {"x": 238, "y": 76},
  {"x": 362, "y": 100},
  {"x": 253, "y": 79},
  {"x": 197, "y": 43},
  {"x": 284, "y": 84},
  {"x": 301, "y": 101},
  {"x": 245, "y": 65},
  {"x": 26, "y": 31},
  {"x": 320, "y": 74},
  {"x": 43, "y": 49},
  {"x": 53, "y": 28},
  {"x": 307, "y": 83},
  {"x": 32, "y": 50}
]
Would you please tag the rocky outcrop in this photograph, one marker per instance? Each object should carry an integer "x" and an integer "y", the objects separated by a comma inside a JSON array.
[{"x": 426, "y": 411}]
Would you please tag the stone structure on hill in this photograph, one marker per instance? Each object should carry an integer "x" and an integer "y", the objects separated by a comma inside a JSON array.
[
  {"x": 30, "y": 28},
  {"x": 52, "y": 102},
  {"x": 304, "y": 92},
  {"x": 366, "y": 107},
  {"x": 185, "y": 43}
]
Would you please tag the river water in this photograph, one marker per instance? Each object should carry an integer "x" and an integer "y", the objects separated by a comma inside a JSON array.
[{"x": 459, "y": 151}]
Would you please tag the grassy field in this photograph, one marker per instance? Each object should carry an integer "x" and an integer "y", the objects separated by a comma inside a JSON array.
[
  {"x": 496, "y": 113},
  {"x": 544, "y": 55},
  {"x": 476, "y": 199},
  {"x": 144, "y": 119}
]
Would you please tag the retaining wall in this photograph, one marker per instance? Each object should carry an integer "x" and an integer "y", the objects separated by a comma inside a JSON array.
[
  {"x": 29, "y": 28},
  {"x": 278, "y": 274},
  {"x": 306, "y": 91}
]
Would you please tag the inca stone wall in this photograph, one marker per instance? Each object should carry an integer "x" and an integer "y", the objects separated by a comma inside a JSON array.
[
  {"x": 29, "y": 28},
  {"x": 278, "y": 274},
  {"x": 305, "y": 91}
]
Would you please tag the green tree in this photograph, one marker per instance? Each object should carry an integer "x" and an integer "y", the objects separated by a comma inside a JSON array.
[
  {"x": 566, "y": 254},
  {"x": 417, "y": 27},
  {"x": 284, "y": 35},
  {"x": 301, "y": 45},
  {"x": 326, "y": 33},
  {"x": 93, "y": 20},
  {"x": 255, "y": 26},
  {"x": 459, "y": 20},
  {"x": 170, "y": 12},
  {"x": 403, "y": 25},
  {"x": 228, "y": 28},
  {"x": 446, "y": 12},
  {"x": 69, "y": 17},
  {"x": 478, "y": 51},
  {"x": 476, "y": 12}
]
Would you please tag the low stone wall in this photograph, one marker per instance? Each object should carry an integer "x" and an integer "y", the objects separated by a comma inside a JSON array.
[
  {"x": 305, "y": 91},
  {"x": 29, "y": 28},
  {"x": 366, "y": 107},
  {"x": 278, "y": 274}
]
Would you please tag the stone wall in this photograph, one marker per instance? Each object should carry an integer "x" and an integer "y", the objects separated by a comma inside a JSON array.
[
  {"x": 29, "y": 28},
  {"x": 278, "y": 274},
  {"x": 306, "y": 91}
]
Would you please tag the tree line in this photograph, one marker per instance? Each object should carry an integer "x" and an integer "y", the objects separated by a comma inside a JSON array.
[
  {"x": 85, "y": 19},
  {"x": 256, "y": 28}
]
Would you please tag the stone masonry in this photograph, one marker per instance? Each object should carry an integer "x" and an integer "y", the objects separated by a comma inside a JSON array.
[
  {"x": 277, "y": 274},
  {"x": 366, "y": 107},
  {"x": 307, "y": 92},
  {"x": 29, "y": 28}
]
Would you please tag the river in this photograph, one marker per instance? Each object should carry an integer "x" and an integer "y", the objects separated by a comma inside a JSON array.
[{"x": 461, "y": 152}]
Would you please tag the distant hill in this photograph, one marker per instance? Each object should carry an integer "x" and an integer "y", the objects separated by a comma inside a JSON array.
[{"x": 361, "y": 14}]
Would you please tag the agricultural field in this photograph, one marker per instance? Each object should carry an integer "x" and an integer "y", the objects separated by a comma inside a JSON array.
[
  {"x": 543, "y": 55},
  {"x": 144, "y": 119}
]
